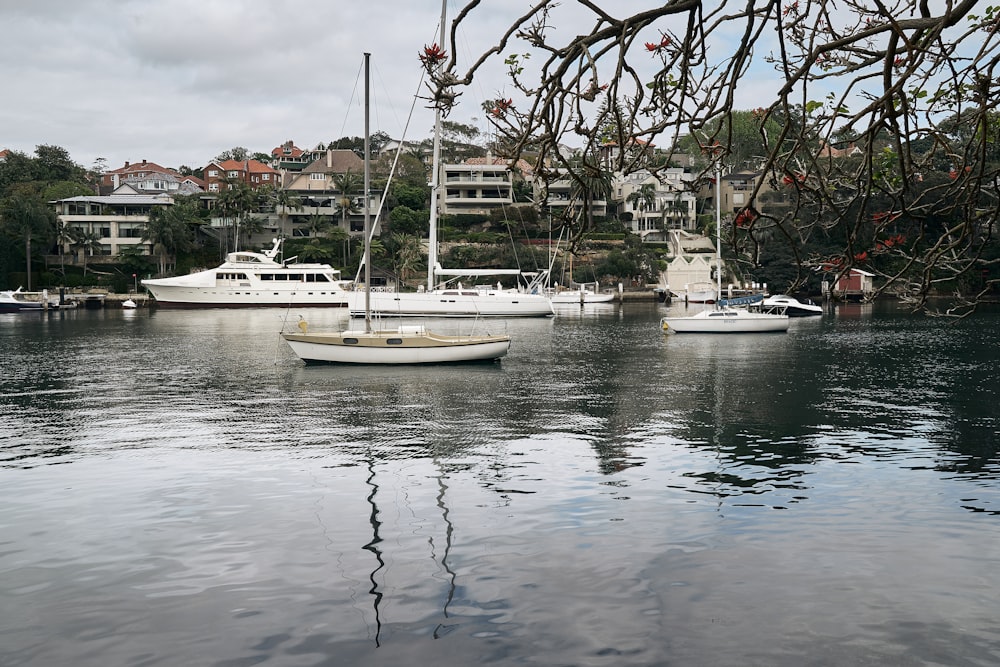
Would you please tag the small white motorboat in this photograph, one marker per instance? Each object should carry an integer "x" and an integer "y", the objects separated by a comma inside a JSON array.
[
  {"x": 792, "y": 306},
  {"x": 128, "y": 304}
]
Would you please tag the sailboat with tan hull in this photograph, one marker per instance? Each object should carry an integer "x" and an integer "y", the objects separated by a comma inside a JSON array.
[{"x": 401, "y": 345}]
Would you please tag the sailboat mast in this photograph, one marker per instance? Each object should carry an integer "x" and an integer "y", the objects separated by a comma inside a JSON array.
[
  {"x": 432, "y": 243},
  {"x": 718, "y": 234},
  {"x": 368, "y": 232}
]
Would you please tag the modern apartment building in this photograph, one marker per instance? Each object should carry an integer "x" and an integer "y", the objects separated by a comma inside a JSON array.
[{"x": 110, "y": 222}]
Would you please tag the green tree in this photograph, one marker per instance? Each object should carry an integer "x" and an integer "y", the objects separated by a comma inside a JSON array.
[
  {"x": 236, "y": 202},
  {"x": 134, "y": 262},
  {"x": 280, "y": 201},
  {"x": 407, "y": 254},
  {"x": 644, "y": 198},
  {"x": 404, "y": 220},
  {"x": 348, "y": 186},
  {"x": 86, "y": 241},
  {"x": 237, "y": 153},
  {"x": 64, "y": 236},
  {"x": 343, "y": 237},
  {"x": 169, "y": 229},
  {"x": 26, "y": 216}
]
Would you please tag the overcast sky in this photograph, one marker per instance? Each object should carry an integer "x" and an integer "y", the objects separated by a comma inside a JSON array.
[{"x": 179, "y": 82}]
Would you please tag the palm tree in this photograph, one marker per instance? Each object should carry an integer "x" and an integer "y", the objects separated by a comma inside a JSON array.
[
  {"x": 590, "y": 185},
  {"x": 65, "y": 236},
  {"x": 236, "y": 202},
  {"x": 338, "y": 235},
  {"x": 644, "y": 198},
  {"x": 87, "y": 241},
  {"x": 285, "y": 201},
  {"x": 347, "y": 186},
  {"x": 168, "y": 231},
  {"x": 317, "y": 224}
]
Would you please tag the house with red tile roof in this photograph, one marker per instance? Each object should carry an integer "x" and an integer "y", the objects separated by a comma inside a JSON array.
[
  {"x": 148, "y": 177},
  {"x": 218, "y": 175},
  {"x": 828, "y": 150},
  {"x": 290, "y": 157},
  {"x": 317, "y": 188}
]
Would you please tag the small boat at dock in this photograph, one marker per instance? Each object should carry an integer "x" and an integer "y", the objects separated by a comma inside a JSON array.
[{"x": 18, "y": 301}]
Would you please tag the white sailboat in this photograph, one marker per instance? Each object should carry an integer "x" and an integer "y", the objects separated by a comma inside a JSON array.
[
  {"x": 584, "y": 294},
  {"x": 486, "y": 297},
  {"x": 578, "y": 293},
  {"x": 402, "y": 345},
  {"x": 724, "y": 318}
]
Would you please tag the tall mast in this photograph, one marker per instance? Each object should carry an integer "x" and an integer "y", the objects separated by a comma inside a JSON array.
[
  {"x": 367, "y": 204},
  {"x": 432, "y": 244},
  {"x": 718, "y": 234}
]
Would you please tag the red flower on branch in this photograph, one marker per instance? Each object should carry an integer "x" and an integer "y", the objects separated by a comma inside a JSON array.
[
  {"x": 432, "y": 55},
  {"x": 881, "y": 217},
  {"x": 665, "y": 42},
  {"x": 745, "y": 218},
  {"x": 501, "y": 106}
]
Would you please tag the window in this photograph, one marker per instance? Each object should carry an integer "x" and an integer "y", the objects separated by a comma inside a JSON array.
[
  {"x": 350, "y": 341},
  {"x": 213, "y": 187},
  {"x": 233, "y": 174},
  {"x": 393, "y": 341},
  {"x": 213, "y": 172},
  {"x": 266, "y": 177},
  {"x": 317, "y": 177}
]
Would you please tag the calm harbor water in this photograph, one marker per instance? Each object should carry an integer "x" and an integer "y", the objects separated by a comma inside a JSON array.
[{"x": 177, "y": 489}]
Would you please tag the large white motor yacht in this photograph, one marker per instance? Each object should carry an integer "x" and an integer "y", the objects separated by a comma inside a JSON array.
[{"x": 254, "y": 279}]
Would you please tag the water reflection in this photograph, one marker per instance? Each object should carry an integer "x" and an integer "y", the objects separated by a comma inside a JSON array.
[{"x": 607, "y": 495}]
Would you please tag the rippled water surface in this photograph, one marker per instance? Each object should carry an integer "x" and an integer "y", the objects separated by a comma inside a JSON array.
[{"x": 177, "y": 489}]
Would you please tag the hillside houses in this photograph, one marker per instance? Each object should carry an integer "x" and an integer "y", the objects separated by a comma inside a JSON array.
[
  {"x": 303, "y": 193},
  {"x": 149, "y": 177}
]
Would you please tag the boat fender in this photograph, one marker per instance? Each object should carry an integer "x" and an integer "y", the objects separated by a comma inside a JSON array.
[{"x": 303, "y": 325}]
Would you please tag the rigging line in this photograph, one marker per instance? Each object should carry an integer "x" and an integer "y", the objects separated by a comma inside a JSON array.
[
  {"x": 284, "y": 322},
  {"x": 479, "y": 94},
  {"x": 354, "y": 96},
  {"x": 376, "y": 106},
  {"x": 392, "y": 171}
]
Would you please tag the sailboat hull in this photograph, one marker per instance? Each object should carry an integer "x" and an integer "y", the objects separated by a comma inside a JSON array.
[
  {"x": 726, "y": 320},
  {"x": 453, "y": 303},
  {"x": 581, "y": 296},
  {"x": 406, "y": 345}
]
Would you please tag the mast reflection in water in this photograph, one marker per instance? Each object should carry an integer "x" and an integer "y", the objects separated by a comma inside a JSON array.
[{"x": 178, "y": 489}]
